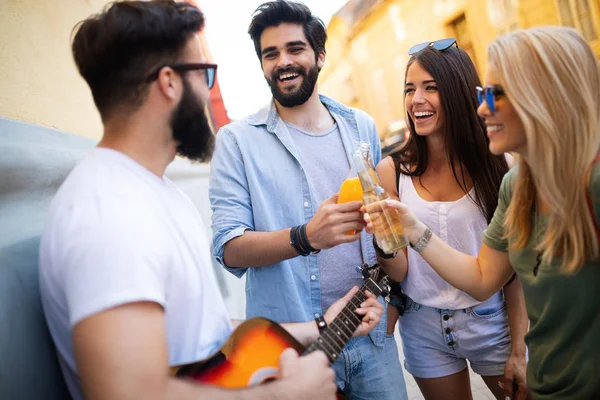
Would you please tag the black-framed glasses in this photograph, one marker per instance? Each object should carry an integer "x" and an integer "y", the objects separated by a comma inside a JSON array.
[
  {"x": 210, "y": 71},
  {"x": 440, "y": 45},
  {"x": 489, "y": 94}
]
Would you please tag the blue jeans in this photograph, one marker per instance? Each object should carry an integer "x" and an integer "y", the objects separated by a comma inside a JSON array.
[{"x": 367, "y": 372}]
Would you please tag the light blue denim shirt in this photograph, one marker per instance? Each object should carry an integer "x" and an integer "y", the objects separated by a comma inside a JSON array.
[{"x": 257, "y": 182}]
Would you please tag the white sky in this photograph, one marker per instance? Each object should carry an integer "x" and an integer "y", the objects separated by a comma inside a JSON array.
[{"x": 242, "y": 83}]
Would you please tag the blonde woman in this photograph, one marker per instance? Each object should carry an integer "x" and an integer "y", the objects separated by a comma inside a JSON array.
[{"x": 542, "y": 101}]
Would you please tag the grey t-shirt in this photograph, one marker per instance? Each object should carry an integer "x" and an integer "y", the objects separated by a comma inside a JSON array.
[{"x": 326, "y": 165}]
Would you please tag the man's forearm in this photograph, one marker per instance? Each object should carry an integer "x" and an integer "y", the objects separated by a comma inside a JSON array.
[
  {"x": 258, "y": 249},
  {"x": 304, "y": 332},
  {"x": 517, "y": 316}
]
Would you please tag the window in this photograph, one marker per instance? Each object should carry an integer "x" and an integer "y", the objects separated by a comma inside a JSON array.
[
  {"x": 503, "y": 15},
  {"x": 579, "y": 14},
  {"x": 463, "y": 36}
]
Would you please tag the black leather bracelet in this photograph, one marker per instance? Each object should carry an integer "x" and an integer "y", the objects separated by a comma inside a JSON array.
[
  {"x": 381, "y": 253},
  {"x": 299, "y": 240},
  {"x": 295, "y": 241},
  {"x": 304, "y": 243},
  {"x": 321, "y": 323}
]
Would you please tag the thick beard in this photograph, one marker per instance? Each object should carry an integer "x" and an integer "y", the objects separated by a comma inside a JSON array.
[
  {"x": 190, "y": 127},
  {"x": 302, "y": 94}
]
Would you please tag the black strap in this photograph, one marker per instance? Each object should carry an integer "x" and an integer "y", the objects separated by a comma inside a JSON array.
[
  {"x": 397, "y": 169},
  {"x": 395, "y": 289}
]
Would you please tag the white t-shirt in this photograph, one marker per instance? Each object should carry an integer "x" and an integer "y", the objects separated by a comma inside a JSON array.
[{"x": 115, "y": 234}]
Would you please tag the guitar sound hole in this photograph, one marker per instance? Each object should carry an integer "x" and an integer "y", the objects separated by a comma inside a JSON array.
[{"x": 262, "y": 376}]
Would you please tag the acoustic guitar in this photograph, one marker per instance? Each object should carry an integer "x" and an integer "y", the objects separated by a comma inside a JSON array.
[{"x": 251, "y": 354}]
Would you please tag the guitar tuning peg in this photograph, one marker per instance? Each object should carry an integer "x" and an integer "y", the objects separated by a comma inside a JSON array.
[{"x": 364, "y": 270}]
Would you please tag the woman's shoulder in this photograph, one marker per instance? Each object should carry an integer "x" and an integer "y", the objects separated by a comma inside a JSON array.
[
  {"x": 508, "y": 181},
  {"x": 507, "y": 186},
  {"x": 393, "y": 172}
]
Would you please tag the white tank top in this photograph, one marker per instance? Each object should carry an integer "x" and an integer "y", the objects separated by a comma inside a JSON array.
[{"x": 459, "y": 223}]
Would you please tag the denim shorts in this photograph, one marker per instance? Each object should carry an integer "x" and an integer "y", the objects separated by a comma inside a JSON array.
[{"x": 438, "y": 342}]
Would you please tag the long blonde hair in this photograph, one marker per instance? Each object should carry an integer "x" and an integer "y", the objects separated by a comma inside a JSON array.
[{"x": 552, "y": 79}]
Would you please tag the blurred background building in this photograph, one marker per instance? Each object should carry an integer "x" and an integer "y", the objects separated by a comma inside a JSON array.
[
  {"x": 39, "y": 82},
  {"x": 369, "y": 40}
]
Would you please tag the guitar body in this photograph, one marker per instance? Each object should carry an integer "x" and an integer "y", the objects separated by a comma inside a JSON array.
[{"x": 249, "y": 357}]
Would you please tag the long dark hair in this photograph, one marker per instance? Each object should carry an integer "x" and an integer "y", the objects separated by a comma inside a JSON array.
[{"x": 466, "y": 140}]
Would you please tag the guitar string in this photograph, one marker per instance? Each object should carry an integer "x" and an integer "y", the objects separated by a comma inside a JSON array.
[{"x": 352, "y": 318}]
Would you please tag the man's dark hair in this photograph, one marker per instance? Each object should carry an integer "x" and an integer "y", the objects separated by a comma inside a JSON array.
[
  {"x": 274, "y": 13},
  {"x": 117, "y": 49},
  {"x": 465, "y": 132}
]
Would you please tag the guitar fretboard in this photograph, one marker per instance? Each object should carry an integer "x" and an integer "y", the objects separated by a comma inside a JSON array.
[{"x": 338, "y": 333}]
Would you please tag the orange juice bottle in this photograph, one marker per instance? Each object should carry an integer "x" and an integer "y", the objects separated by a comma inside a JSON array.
[{"x": 351, "y": 190}]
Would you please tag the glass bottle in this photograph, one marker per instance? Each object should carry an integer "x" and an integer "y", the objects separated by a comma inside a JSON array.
[
  {"x": 350, "y": 190},
  {"x": 389, "y": 232}
]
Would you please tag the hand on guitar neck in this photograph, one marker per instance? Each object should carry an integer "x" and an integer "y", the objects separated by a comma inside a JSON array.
[{"x": 370, "y": 309}]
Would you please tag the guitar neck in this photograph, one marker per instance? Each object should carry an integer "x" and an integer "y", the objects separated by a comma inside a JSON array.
[{"x": 334, "y": 338}]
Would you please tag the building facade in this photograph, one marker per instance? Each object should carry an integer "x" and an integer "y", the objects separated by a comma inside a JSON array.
[
  {"x": 39, "y": 82},
  {"x": 369, "y": 40}
]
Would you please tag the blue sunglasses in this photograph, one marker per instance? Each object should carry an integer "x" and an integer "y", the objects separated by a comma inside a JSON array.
[
  {"x": 210, "y": 70},
  {"x": 489, "y": 94},
  {"x": 440, "y": 45}
]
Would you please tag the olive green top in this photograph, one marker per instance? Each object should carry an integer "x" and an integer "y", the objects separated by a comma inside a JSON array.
[{"x": 564, "y": 311}]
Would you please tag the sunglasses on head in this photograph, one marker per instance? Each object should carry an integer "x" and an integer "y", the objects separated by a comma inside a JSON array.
[
  {"x": 440, "y": 45},
  {"x": 210, "y": 70},
  {"x": 489, "y": 94}
]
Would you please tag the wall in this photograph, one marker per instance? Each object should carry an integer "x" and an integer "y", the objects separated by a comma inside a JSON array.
[{"x": 39, "y": 82}]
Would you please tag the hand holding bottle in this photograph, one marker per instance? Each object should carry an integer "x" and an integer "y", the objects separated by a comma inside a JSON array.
[
  {"x": 385, "y": 225},
  {"x": 412, "y": 226},
  {"x": 329, "y": 225}
]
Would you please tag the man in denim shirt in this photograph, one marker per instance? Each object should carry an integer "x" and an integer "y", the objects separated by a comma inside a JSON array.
[{"x": 278, "y": 170}]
